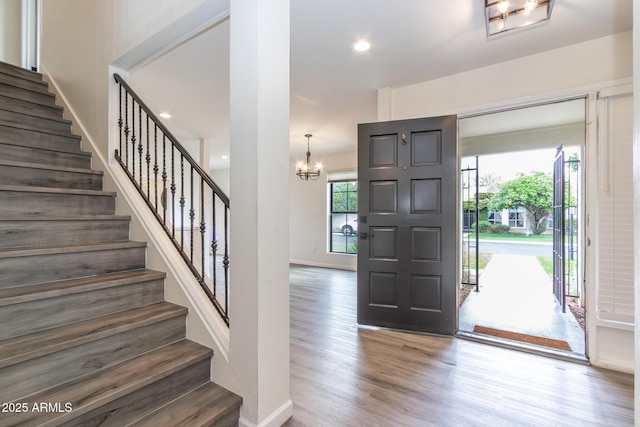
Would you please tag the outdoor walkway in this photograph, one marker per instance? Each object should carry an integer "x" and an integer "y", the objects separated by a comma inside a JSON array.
[{"x": 516, "y": 295}]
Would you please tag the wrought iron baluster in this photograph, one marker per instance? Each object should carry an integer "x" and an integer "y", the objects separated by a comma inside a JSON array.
[
  {"x": 182, "y": 201},
  {"x": 148, "y": 159},
  {"x": 192, "y": 215},
  {"x": 140, "y": 146},
  {"x": 214, "y": 242},
  {"x": 120, "y": 121},
  {"x": 155, "y": 165},
  {"x": 133, "y": 141},
  {"x": 173, "y": 194},
  {"x": 203, "y": 229},
  {"x": 164, "y": 197},
  {"x": 126, "y": 128}
]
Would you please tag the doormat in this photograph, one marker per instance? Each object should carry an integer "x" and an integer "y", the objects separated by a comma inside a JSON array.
[{"x": 529, "y": 339}]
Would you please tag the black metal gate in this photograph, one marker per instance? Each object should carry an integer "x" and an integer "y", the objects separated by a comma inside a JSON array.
[
  {"x": 558, "y": 229},
  {"x": 470, "y": 216}
]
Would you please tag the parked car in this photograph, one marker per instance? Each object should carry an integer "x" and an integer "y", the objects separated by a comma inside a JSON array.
[{"x": 351, "y": 228}]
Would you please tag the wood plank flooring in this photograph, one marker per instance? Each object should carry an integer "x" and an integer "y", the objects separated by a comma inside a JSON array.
[{"x": 342, "y": 375}]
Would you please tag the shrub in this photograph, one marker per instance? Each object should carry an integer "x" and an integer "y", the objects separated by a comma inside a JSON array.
[
  {"x": 501, "y": 229},
  {"x": 483, "y": 227}
]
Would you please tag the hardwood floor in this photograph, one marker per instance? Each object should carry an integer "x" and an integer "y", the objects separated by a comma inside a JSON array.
[{"x": 342, "y": 375}]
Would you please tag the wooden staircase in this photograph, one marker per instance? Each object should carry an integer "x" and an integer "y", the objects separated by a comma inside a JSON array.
[{"x": 87, "y": 338}]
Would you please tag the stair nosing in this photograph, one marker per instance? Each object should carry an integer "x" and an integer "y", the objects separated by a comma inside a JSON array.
[
  {"x": 37, "y": 129},
  {"x": 234, "y": 404},
  {"x": 68, "y": 249},
  {"x": 55, "y": 168},
  {"x": 46, "y": 93},
  {"x": 37, "y": 75},
  {"x": 56, "y": 190},
  {"x": 30, "y": 114},
  {"x": 51, "y": 106},
  {"x": 24, "y": 144},
  {"x": 87, "y": 403},
  {"x": 66, "y": 218},
  {"x": 21, "y": 294},
  {"x": 40, "y": 82},
  {"x": 76, "y": 333}
]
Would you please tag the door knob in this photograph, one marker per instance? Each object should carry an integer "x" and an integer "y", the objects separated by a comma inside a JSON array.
[{"x": 365, "y": 236}]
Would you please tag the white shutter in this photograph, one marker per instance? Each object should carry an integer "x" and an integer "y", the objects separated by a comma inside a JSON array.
[{"x": 615, "y": 208}]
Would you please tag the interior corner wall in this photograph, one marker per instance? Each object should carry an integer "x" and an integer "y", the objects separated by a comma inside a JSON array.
[
  {"x": 11, "y": 31},
  {"x": 309, "y": 215},
  {"x": 570, "y": 71}
]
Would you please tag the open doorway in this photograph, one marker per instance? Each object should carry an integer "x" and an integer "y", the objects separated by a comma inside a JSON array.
[{"x": 522, "y": 248}]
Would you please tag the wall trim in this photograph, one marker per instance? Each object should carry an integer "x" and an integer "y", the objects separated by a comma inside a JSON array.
[
  {"x": 323, "y": 265},
  {"x": 276, "y": 419}
]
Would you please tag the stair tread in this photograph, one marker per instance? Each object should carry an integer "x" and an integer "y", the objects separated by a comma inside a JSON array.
[
  {"x": 28, "y": 144},
  {"x": 28, "y": 74},
  {"x": 37, "y": 90},
  {"x": 36, "y": 80},
  {"x": 30, "y": 189},
  {"x": 37, "y": 344},
  {"x": 52, "y": 107},
  {"x": 66, "y": 218},
  {"x": 100, "y": 387},
  {"x": 206, "y": 403},
  {"x": 47, "y": 250},
  {"x": 39, "y": 116},
  {"x": 20, "y": 294},
  {"x": 38, "y": 129},
  {"x": 49, "y": 167}
]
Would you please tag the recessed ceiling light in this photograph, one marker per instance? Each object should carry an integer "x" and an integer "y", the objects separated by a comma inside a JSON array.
[
  {"x": 225, "y": 157},
  {"x": 361, "y": 45},
  {"x": 165, "y": 115}
]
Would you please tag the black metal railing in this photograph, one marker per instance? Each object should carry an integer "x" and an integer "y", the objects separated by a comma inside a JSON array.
[{"x": 191, "y": 208}]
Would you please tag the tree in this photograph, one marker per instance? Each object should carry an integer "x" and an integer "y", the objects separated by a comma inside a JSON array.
[{"x": 533, "y": 192}]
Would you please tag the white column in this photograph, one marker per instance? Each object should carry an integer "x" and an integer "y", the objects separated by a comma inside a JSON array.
[
  {"x": 259, "y": 312},
  {"x": 636, "y": 198},
  {"x": 204, "y": 154}
]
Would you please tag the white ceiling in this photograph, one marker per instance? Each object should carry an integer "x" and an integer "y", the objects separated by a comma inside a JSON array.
[{"x": 334, "y": 88}]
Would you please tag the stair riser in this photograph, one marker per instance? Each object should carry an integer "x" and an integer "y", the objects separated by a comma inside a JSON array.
[
  {"x": 21, "y": 82},
  {"x": 40, "y": 122},
  {"x": 36, "y": 177},
  {"x": 30, "y": 376},
  {"x": 27, "y": 107},
  {"x": 28, "y": 203},
  {"x": 18, "y": 153},
  {"x": 29, "y": 270},
  {"x": 14, "y": 234},
  {"x": 42, "y": 139},
  {"x": 26, "y": 95},
  {"x": 138, "y": 403},
  {"x": 28, "y": 317},
  {"x": 21, "y": 72}
]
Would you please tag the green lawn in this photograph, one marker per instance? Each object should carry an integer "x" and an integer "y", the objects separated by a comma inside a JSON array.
[
  {"x": 547, "y": 263},
  {"x": 541, "y": 238}
]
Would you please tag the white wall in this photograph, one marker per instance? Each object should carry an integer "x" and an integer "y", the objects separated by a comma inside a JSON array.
[
  {"x": 577, "y": 70},
  {"x": 309, "y": 213},
  {"x": 11, "y": 31}
]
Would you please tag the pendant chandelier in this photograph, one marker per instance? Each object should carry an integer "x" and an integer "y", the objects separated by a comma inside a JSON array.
[{"x": 303, "y": 170}]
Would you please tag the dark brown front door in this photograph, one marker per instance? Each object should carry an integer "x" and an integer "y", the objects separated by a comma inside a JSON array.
[{"x": 407, "y": 218}]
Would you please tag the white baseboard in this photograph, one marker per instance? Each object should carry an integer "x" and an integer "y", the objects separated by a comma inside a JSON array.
[
  {"x": 323, "y": 265},
  {"x": 276, "y": 419}
]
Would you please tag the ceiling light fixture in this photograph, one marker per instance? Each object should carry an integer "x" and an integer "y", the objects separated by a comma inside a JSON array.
[
  {"x": 361, "y": 45},
  {"x": 303, "y": 170},
  {"x": 165, "y": 115},
  {"x": 503, "y": 15}
]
